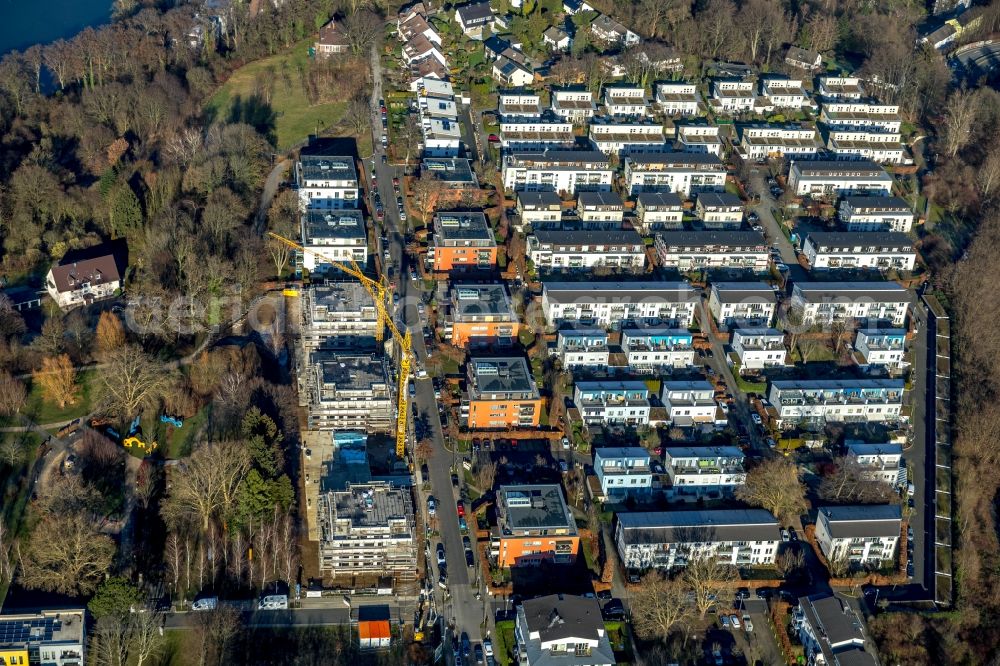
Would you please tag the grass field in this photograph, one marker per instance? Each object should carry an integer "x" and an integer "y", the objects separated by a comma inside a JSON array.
[
  {"x": 42, "y": 412},
  {"x": 294, "y": 117}
]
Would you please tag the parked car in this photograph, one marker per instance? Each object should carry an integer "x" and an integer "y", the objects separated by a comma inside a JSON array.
[
  {"x": 273, "y": 602},
  {"x": 454, "y": 480},
  {"x": 477, "y": 653},
  {"x": 488, "y": 647},
  {"x": 604, "y": 595},
  {"x": 470, "y": 559},
  {"x": 725, "y": 621},
  {"x": 462, "y": 525},
  {"x": 431, "y": 506},
  {"x": 460, "y": 507},
  {"x": 735, "y": 621},
  {"x": 747, "y": 622},
  {"x": 613, "y": 610},
  {"x": 755, "y": 417},
  {"x": 743, "y": 593},
  {"x": 205, "y": 604},
  {"x": 440, "y": 553}
]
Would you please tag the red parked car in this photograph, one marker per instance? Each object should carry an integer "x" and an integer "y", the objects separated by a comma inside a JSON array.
[{"x": 460, "y": 505}]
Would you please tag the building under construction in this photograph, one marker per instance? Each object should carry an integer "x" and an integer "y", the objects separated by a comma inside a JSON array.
[{"x": 344, "y": 391}]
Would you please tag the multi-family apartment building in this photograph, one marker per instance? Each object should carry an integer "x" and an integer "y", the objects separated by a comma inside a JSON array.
[
  {"x": 538, "y": 209},
  {"x": 659, "y": 211},
  {"x": 575, "y": 105},
  {"x": 558, "y": 249},
  {"x": 698, "y": 137},
  {"x": 607, "y": 303},
  {"x": 534, "y": 525},
  {"x": 841, "y": 88},
  {"x": 501, "y": 393},
  {"x": 732, "y": 96},
  {"x": 820, "y": 401},
  {"x": 519, "y": 133},
  {"x": 866, "y": 536},
  {"x": 701, "y": 471},
  {"x": 696, "y": 250},
  {"x": 881, "y": 347},
  {"x": 666, "y": 540},
  {"x": 719, "y": 210},
  {"x": 858, "y": 115},
  {"x": 600, "y": 210},
  {"x": 48, "y": 637},
  {"x": 562, "y": 171},
  {"x": 682, "y": 173},
  {"x": 332, "y": 235},
  {"x": 878, "y": 250},
  {"x": 677, "y": 98},
  {"x": 881, "y": 462},
  {"x": 582, "y": 347},
  {"x": 623, "y": 471},
  {"x": 514, "y": 104},
  {"x": 461, "y": 241},
  {"x": 655, "y": 347},
  {"x": 797, "y": 141},
  {"x": 625, "y": 101},
  {"x": 742, "y": 304},
  {"x": 827, "y": 302},
  {"x": 622, "y": 137},
  {"x": 612, "y": 402},
  {"x": 759, "y": 348},
  {"x": 367, "y": 529},
  {"x": 338, "y": 315},
  {"x": 824, "y": 178},
  {"x": 784, "y": 93},
  {"x": 452, "y": 173},
  {"x": 326, "y": 181},
  {"x": 688, "y": 402},
  {"x": 440, "y": 130},
  {"x": 549, "y": 629},
  {"x": 881, "y": 147},
  {"x": 481, "y": 315},
  {"x": 880, "y": 213},
  {"x": 346, "y": 392}
]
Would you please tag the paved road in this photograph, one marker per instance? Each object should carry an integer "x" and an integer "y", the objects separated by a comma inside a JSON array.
[{"x": 772, "y": 228}]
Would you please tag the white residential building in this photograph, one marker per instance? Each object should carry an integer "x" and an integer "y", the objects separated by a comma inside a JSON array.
[
  {"x": 827, "y": 302},
  {"x": 784, "y": 93},
  {"x": 841, "y": 88},
  {"x": 677, "y": 98},
  {"x": 548, "y": 629},
  {"x": 517, "y": 105},
  {"x": 689, "y": 402},
  {"x": 832, "y": 633},
  {"x": 442, "y": 137},
  {"x": 667, "y": 540},
  {"x": 698, "y": 138},
  {"x": 627, "y": 138},
  {"x": 561, "y": 171},
  {"x": 881, "y": 147},
  {"x": 337, "y": 235},
  {"x": 759, "y": 348},
  {"x": 49, "y": 637},
  {"x": 535, "y": 134},
  {"x": 473, "y": 18},
  {"x": 683, "y": 173},
  {"x": 623, "y": 471},
  {"x": 608, "y": 30},
  {"x": 701, "y": 471},
  {"x": 833, "y": 179},
  {"x": 538, "y": 209},
  {"x": 719, "y": 210},
  {"x": 657, "y": 347},
  {"x": 733, "y": 95},
  {"x": 510, "y": 72},
  {"x": 696, "y": 250},
  {"x": 749, "y": 304},
  {"x": 607, "y": 303},
  {"x": 557, "y": 39},
  {"x": 612, "y": 402},
  {"x": 868, "y": 116},
  {"x": 326, "y": 181},
  {"x": 821, "y": 401},
  {"x": 875, "y": 214},
  {"x": 338, "y": 315},
  {"x": 881, "y": 347},
  {"x": 86, "y": 277},
  {"x": 582, "y": 347},
  {"x": 795, "y": 141},
  {"x": 864, "y": 535},
  {"x": 419, "y": 47},
  {"x": 625, "y": 101},
  {"x": 576, "y": 106},
  {"x": 658, "y": 211},
  {"x": 879, "y": 250},
  {"x": 558, "y": 249},
  {"x": 882, "y": 462},
  {"x": 600, "y": 210}
]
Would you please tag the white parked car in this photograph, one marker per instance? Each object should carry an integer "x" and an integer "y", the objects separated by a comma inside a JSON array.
[
  {"x": 273, "y": 602},
  {"x": 205, "y": 604}
]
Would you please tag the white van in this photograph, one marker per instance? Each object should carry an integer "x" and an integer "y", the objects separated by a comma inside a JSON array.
[{"x": 273, "y": 602}]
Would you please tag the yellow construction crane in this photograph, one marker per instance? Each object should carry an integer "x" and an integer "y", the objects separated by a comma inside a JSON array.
[{"x": 378, "y": 290}]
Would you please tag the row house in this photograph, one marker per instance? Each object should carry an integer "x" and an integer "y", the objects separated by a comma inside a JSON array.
[
  {"x": 516, "y": 105},
  {"x": 333, "y": 236},
  {"x": 659, "y": 211},
  {"x": 719, "y": 210},
  {"x": 412, "y": 22},
  {"x": 419, "y": 48},
  {"x": 698, "y": 138},
  {"x": 821, "y": 401},
  {"x": 612, "y": 402},
  {"x": 759, "y": 348},
  {"x": 875, "y": 214},
  {"x": 668, "y": 540},
  {"x": 569, "y": 249},
  {"x": 535, "y": 134},
  {"x": 795, "y": 141},
  {"x": 689, "y": 403},
  {"x": 881, "y": 147},
  {"x": 326, "y": 181},
  {"x": 879, "y": 250},
  {"x": 573, "y": 104},
  {"x": 623, "y": 471},
  {"x": 783, "y": 93},
  {"x": 881, "y": 462},
  {"x": 538, "y": 209},
  {"x": 600, "y": 210},
  {"x": 841, "y": 88},
  {"x": 881, "y": 347},
  {"x": 582, "y": 347},
  {"x": 823, "y": 303},
  {"x": 481, "y": 315},
  {"x": 609, "y": 303},
  {"x": 866, "y": 536},
  {"x": 461, "y": 241},
  {"x": 678, "y": 98},
  {"x": 657, "y": 347},
  {"x": 751, "y": 304},
  {"x": 625, "y": 101},
  {"x": 439, "y": 125},
  {"x": 627, "y": 138},
  {"x": 733, "y": 96},
  {"x": 500, "y": 393},
  {"x": 858, "y": 115},
  {"x": 698, "y": 250},
  {"x": 832, "y": 179},
  {"x": 683, "y": 173},
  {"x": 560, "y": 171},
  {"x": 704, "y": 471}
]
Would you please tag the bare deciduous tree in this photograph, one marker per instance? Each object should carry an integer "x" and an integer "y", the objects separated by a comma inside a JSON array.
[
  {"x": 662, "y": 605},
  {"x": 206, "y": 484},
  {"x": 131, "y": 380},
  {"x": 849, "y": 482},
  {"x": 66, "y": 554},
  {"x": 486, "y": 474},
  {"x": 110, "y": 333},
  {"x": 57, "y": 378},
  {"x": 708, "y": 580},
  {"x": 13, "y": 394},
  {"x": 959, "y": 116},
  {"x": 774, "y": 485}
]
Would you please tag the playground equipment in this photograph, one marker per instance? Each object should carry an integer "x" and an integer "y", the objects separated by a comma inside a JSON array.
[
  {"x": 133, "y": 438},
  {"x": 175, "y": 421}
]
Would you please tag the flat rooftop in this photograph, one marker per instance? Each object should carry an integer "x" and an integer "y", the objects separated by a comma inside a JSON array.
[
  {"x": 351, "y": 373},
  {"x": 667, "y": 161},
  {"x": 45, "y": 627},
  {"x": 466, "y": 226},
  {"x": 676, "y": 452},
  {"x": 698, "y": 526},
  {"x": 500, "y": 376},
  {"x": 559, "y": 158},
  {"x": 476, "y": 302},
  {"x": 819, "y": 168},
  {"x": 837, "y": 384},
  {"x": 535, "y": 507},
  {"x": 879, "y": 204},
  {"x": 605, "y": 200},
  {"x": 619, "y": 292},
  {"x": 332, "y": 225},
  {"x": 369, "y": 505},
  {"x": 738, "y": 292},
  {"x": 328, "y": 167},
  {"x": 340, "y": 298},
  {"x": 449, "y": 170},
  {"x": 877, "y": 520},
  {"x": 536, "y": 200}
]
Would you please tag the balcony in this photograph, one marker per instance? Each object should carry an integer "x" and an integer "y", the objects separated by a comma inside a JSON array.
[{"x": 615, "y": 470}]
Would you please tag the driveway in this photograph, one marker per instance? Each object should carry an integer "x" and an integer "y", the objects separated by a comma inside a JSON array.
[{"x": 772, "y": 228}]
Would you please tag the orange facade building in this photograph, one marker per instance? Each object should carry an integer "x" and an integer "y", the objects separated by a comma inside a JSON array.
[
  {"x": 462, "y": 241},
  {"x": 534, "y": 525},
  {"x": 481, "y": 315},
  {"x": 501, "y": 394}
]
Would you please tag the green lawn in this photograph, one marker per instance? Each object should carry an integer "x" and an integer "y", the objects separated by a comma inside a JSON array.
[
  {"x": 620, "y": 643},
  {"x": 176, "y": 443},
  {"x": 15, "y": 485},
  {"x": 295, "y": 117},
  {"x": 41, "y": 411},
  {"x": 504, "y": 648}
]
